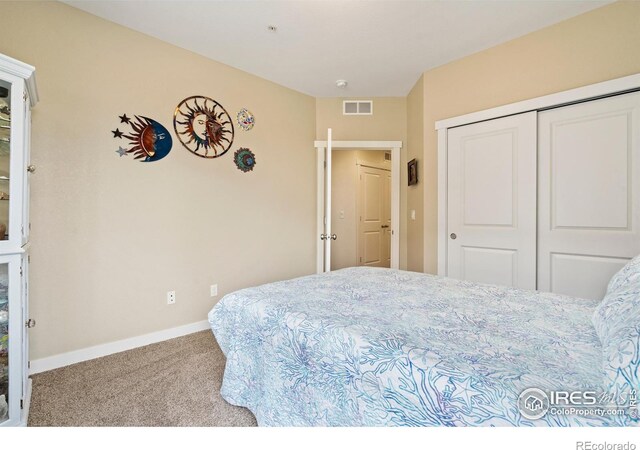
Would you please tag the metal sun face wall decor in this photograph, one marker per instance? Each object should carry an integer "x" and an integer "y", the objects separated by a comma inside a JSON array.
[
  {"x": 148, "y": 140},
  {"x": 203, "y": 126}
]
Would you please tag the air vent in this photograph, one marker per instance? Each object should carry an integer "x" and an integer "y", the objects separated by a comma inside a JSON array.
[{"x": 357, "y": 107}]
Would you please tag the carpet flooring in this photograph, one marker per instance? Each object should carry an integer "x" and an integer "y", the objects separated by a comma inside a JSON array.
[{"x": 171, "y": 383}]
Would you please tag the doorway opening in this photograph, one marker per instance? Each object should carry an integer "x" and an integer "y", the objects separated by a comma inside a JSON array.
[
  {"x": 361, "y": 208},
  {"x": 327, "y": 236}
]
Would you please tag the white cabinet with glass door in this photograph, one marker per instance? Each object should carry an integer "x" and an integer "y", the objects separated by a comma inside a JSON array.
[{"x": 18, "y": 94}]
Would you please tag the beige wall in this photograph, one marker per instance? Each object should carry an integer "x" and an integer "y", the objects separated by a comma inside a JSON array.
[
  {"x": 388, "y": 123},
  {"x": 344, "y": 199},
  {"x": 111, "y": 236},
  {"x": 415, "y": 193},
  {"x": 596, "y": 46}
]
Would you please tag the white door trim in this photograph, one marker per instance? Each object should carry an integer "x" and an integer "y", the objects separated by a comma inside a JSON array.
[
  {"x": 443, "y": 199},
  {"x": 581, "y": 94},
  {"x": 395, "y": 147}
]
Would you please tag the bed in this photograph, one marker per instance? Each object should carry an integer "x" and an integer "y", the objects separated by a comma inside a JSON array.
[{"x": 381, "y": 347}]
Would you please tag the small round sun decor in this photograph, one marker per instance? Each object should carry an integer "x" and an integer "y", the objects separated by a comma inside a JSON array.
[
  {"x": 246, "y": 121},
  {"x": 203, "y": 126},
  {"x": 245, "y": 159}
]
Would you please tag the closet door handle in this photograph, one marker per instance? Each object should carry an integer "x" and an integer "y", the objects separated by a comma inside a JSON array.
[{"x": 453, "y": 236}]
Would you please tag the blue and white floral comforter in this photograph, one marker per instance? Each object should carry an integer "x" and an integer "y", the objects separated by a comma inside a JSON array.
[{"x": 367, "y": 346}]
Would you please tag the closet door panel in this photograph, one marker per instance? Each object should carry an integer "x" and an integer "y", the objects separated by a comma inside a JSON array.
[
  {"x": 492, "y": 201},
  {"x": 583, "y": 151},
  {"x": 488, "y": 173},
  {"x": 589, "y": 194},
  {"x": 582, "y": 275},
  {"x": 489, "y": 265}
]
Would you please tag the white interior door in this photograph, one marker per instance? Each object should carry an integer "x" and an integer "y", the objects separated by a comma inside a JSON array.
[
  {"x": 327, "y": 236},
  {"x": 492, "y": 201},
  {"x": 589, "y": 194},
  {"x": 374, "y": 221}
]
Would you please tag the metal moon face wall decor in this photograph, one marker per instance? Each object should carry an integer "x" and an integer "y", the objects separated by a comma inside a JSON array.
[
  {"x": 246, "y": 121},
  {"x": 148, "y": 140},
  {"x": 245, "y": 159},
  {"x": 203, "y": 126}
]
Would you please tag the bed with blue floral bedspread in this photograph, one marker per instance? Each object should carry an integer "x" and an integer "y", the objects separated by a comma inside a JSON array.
[{"x": 378, "y": 347}]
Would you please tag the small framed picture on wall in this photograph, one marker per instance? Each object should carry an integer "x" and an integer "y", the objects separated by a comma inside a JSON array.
[{"x": 412, "y": 166}]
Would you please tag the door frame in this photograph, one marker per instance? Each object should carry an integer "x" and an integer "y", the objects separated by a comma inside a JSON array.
[
  {"x": 394, "y": 147},
  {"x": 608, "y": 88}
]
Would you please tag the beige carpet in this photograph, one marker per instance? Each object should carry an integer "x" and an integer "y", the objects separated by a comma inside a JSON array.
[{"x": 171, "y": 383}]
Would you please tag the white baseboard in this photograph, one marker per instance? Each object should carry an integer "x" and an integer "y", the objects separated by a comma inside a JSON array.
[{"x": 85, "y": 354}]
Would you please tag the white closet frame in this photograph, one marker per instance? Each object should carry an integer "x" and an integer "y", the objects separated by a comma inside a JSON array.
[{"x": 616, "y": 86}]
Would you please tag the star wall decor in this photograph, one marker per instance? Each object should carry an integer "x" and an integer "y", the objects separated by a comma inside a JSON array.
[
  {"x": 117, "y": 133},
  {"x": 121, "y": 151},
  {"x": 124, "y": 119}
]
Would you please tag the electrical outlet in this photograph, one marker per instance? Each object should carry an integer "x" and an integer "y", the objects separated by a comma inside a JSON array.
[
  {"x": 214, "y": 290},
  {"x": 171, "y": 297}
]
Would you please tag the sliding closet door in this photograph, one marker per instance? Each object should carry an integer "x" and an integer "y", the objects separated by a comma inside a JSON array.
[
  {"x": 589, "y": 194},
  {"x": 492, "y": 201}
]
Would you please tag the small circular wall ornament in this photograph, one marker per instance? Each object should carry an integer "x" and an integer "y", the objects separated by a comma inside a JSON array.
[
  {"x": 246, "y": 121},
  {"x": 203, "y": 126},
  {"x": 245, "y": 159}
]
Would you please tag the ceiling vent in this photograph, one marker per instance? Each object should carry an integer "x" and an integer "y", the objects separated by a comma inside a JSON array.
[{"x": 357, "y": 107}]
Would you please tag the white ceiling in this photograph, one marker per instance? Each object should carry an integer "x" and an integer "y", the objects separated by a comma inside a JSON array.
[{"x": 379, "y": 47}]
